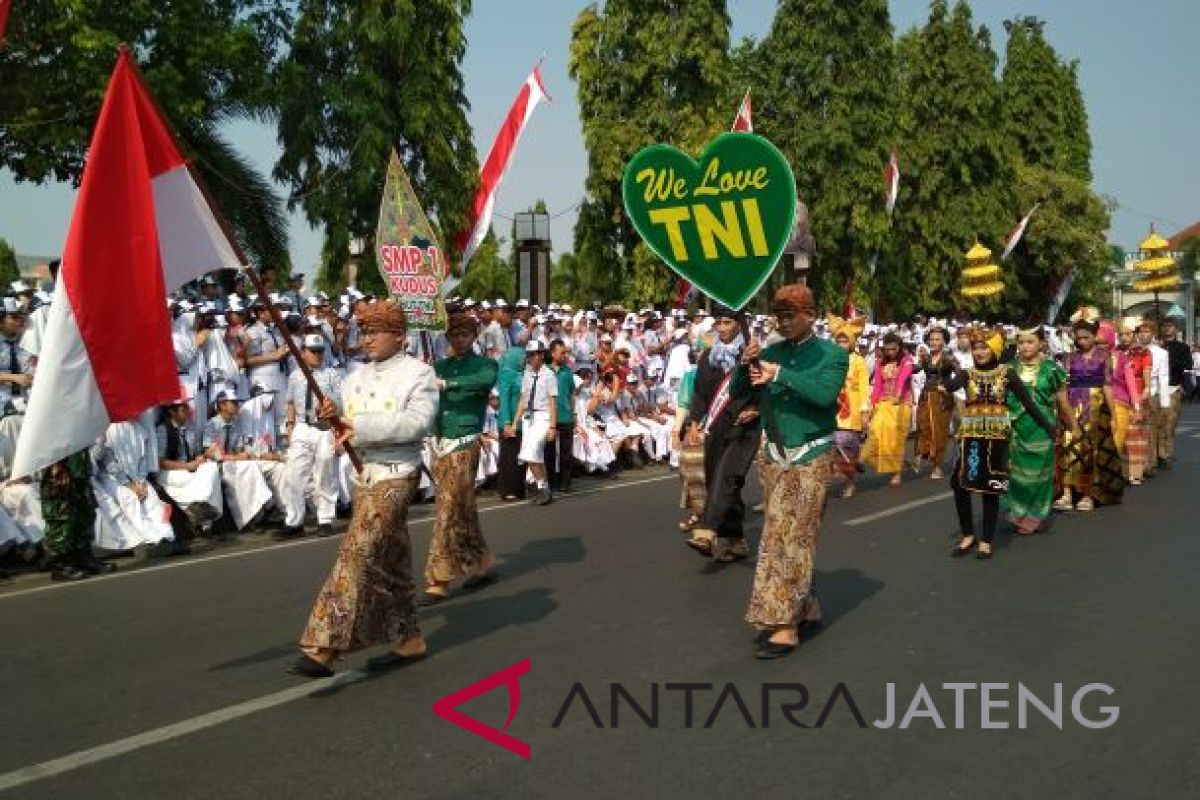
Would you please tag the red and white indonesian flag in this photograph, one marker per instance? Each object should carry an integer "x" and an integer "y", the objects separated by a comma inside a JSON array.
[
  {"x": 744, "y": 120},
  {"x": 891, "y": 178},
  {"x": 141, "y": 227},
  {"x": 4, "y": 6},
  {"x": 499, "y": 157},
  {"x": 1014, "y": 238}
]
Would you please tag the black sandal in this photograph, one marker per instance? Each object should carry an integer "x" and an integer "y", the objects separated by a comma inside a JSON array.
[
  {"x": 309, "y": 667},
  {"x": 702, "y": 546}
]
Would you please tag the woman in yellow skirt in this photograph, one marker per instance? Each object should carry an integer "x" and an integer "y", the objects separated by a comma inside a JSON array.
[{"x": 890, "y": 417}]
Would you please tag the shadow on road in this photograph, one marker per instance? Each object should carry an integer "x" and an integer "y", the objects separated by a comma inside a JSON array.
[{"x": 841, "y": 591}]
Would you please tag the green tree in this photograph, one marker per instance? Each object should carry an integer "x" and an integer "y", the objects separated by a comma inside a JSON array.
[
  {"x": 362, "y": 78},
  {"x": 957, "y": 173},
  {"x": 1066, "y": 237},
  {"x": 206, "y": 61},
  {"x": 1045, "y": 122},
  {"x": 1042, "y": 107},
  {"x": 8, "y": 264},
  {"x": 825, "y": 75},
  {"x": 490, "y": 275},
  {"x": 647, "y": 71}
]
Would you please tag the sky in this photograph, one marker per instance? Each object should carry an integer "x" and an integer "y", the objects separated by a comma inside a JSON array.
[{"x": 1138, "y": 67}]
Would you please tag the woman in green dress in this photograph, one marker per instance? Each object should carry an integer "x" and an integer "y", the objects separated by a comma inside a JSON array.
[{"x": 1030, "y": 494}]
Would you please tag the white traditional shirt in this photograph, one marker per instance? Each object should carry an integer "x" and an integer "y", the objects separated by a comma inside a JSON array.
[{"x": 392, "y": 405}]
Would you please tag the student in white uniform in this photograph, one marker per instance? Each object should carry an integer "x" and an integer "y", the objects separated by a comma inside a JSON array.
[
  {"x": 266, "y": 356},
  {"x": 244, "y": 477},
  {"x": 184, "y": 473},
  {"x": 311, "y": 456},
  {"x": 128, "y": 511},
  {"x": 537, "y": 415}
]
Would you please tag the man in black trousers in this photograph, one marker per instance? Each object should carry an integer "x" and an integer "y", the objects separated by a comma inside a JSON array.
[{"x": 729, "y": 429}]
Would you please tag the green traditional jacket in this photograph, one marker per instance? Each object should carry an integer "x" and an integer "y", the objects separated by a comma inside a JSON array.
[
  {"x": 800, "y": 405},
  {"x": 469, "y": 380}
]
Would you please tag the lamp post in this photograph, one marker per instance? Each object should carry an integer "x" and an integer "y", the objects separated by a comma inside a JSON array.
[{"x": 533, "y": 257}]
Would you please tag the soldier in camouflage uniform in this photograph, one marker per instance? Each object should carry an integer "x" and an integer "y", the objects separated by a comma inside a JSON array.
[{"x": 69, "y": 508}]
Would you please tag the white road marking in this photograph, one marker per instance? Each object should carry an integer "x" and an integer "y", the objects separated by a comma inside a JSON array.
[
  {"x": 900, "y": 509},
  {"x": 189, "y": 562},
  {"x": 93, "y": 755}
]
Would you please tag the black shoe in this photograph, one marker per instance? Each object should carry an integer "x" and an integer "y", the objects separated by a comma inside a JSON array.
[
  {"x": 309, "y": 668},
  {"x": 325, "y": 531},
  {"x": 290, "y": 532},
  {"x": 543, "y": 498},
  {"x": 1164, "y": 464},
  {"x": 769, "y": 650},
  {"x": 94, "y": 566},
  {"x": 5, "y": 576},
  {"x": 983, "y": 555},
  {"x": 169, "y": 548},
  {"x": 66, "y": 572},
  {"x": 959, "y": 550},
  {"x": 390, "y": 660}
]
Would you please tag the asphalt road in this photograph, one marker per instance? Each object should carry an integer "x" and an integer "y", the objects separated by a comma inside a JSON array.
[{"x": 169, "y": 681}]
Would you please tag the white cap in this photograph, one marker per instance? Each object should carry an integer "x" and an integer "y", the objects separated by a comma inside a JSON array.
[
  {"x": 226, "y": 394},
  {"x": 485, "y": 305},
  {"x": 633, "y": 378},
  {"x": 535, "y": 346},
  {"x": 19, "y": 287},
  {"x": 522, "y": 303},
  {"x": 314, "y": 341},
  {"x": 11, "y": 306},
  {"x": 500, "y": 303},
  {"x": 606, "y": 338},
  {"x": 318, "y": 300}
]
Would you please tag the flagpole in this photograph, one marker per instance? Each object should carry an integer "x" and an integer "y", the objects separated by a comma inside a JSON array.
[{"x": 252, "y": 274}]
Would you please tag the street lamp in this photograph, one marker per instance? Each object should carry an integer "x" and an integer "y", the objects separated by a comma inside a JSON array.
[
  {"x": 358, "y": 246},
  {"x": 533, "y": 257}
]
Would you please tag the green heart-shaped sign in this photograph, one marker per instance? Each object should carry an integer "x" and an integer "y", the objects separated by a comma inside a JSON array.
[{"x": 722, "y": 222}]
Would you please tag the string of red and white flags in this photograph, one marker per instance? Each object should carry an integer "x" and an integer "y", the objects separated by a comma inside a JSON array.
[
  {"x": 532, "y": 92},
  {"x": 685, "y": 293}
]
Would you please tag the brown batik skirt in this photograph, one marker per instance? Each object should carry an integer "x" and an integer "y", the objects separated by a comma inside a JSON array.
[
  {"x": 691, "y": 476},
  {"x": 933, "y": 427},
  {"x": 457, "y": 548},
  {"x": 369, "y": 597},
  {"x": 783, "y": 580}
]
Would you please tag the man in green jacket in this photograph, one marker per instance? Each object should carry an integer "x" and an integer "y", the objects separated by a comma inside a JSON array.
[
  {"x": 797, "y": 382},
  {"x": 457, "y": 548}
]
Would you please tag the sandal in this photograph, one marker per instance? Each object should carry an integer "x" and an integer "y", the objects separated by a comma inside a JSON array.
[
  {"x": 959, "y": 550},
  {"x": 848, "y": 490},
  {"x": 702, "y": 546},
  {"x": 689, "y": 523},
  {"x": 982, "y": 554}
]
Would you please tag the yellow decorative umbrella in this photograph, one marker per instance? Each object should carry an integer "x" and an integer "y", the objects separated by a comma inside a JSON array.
[
  {"x": 981, "y": 277},
  {"x": 1157, "y": 265}
]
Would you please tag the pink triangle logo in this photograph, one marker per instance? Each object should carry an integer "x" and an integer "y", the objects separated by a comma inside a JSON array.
[{"x": 510, "y": 676}]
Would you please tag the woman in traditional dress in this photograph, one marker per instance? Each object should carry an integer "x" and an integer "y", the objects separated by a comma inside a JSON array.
[
  {"x": 457, "y": 548},
  {"x": 1030, "y": 494},
  {"x": 1132, "y": 410},
  {"x": 1089, "y": 464},
  {"x": 853, "y": 401},
  {"x": 983, "y": 438},
  {"x": 935, "y": 409},
  {"x": 891, "y": 414}
]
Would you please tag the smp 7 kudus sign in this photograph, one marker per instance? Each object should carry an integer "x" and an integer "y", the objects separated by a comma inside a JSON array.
[{"x": 721, "y": 222}]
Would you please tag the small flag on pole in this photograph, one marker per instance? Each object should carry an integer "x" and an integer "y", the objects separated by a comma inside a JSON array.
[
  {"x": 891, "y": 177},
  {"x": 1014, "y": 238},
  {"x": 744, "y": 120}
]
